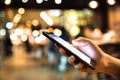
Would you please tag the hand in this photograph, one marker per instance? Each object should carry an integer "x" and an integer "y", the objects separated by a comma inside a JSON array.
[{"x": 92, "y": 50}]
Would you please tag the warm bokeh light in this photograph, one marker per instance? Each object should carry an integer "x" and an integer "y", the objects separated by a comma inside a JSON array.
[
  {"x": 40, "y": 39},
  {"x": 13, "y": 37},
  {"x": 50, "y": 29},
  {"x": 21, "y": 10},
  {"x": 74, "y": 30},
  {"x": 46, "y": 18},
  {"x": 19, "y": 31},
  {"x": 27, "y": 31},
  {"x": 111, "y": 2},
  {"x": 24, "y": 1},
  {"x": 7, "y": 2},
  {"x": 58, "y": 1},
  {"x": 35, "y": 33},
  {"x": 58, "y": 32},
  {"x": 55, "y": 13},
  {"x": 37, "y": 40},
  {"x": 17, "y": 18},
  {"x": 39, "y": 1},
  {"x": 93, "y": 4},
  {"x": 35, "y": 22}
]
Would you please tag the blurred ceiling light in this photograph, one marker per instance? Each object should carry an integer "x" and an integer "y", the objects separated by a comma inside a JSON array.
[
  {"x": 46, "y": 18},
  {"x": 17, "y": 18},
  {"x": 35, "y": 33},
  {"x": 7, "y": 2},
  {"x": 93, "y": 4},
  {"x": 9, "y": 25},
  {"x": 21, "y": 10},
  {"x": 24, "y": 1},
  {"x": 19, "y": 31},
  {"x": 24, "y": 37},
  {"x": 39, "y": 1},
  {"x": 111, "y": 2},
  {"x": 58, "y": 1},
  {"x": 58, "y": 32},
  {"x": 35, "y": 22},
  {"x": 55, "y": 13},
  {"x": 2, "y": 32}
]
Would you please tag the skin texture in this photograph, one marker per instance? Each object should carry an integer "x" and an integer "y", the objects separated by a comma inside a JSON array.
[{"x": 103, "y": 62}]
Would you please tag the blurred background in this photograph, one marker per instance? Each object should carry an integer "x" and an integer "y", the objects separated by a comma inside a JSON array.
[{"x": 25, "y": 54}]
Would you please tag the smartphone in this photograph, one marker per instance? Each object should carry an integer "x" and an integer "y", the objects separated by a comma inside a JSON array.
[{"x": 80, "y": 56}]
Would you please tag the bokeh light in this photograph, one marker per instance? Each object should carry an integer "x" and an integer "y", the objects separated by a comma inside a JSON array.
[
  {"x": 2, "y": 32},
  {"x": 93, "y": 4},
  {"x": 39, "y": 1},
  {"x": 9, "y": 25},
  {"x": 58, "y": 32},
  {"x": 21, "y": 10},
  {"x": 35, "y": 22},
  {"x": 24, "y": 1},
  {"x": 58, "y": 1},
  {"x": 7, "y": 2},
  {"x": 111, "y": 2},
  {"x": 35, "y": 33},
  {"x": 19, "y": 31}
]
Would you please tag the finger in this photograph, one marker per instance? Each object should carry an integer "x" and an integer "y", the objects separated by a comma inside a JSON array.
[
  {"x": 79, "y": 66},
  {"x": 71, "y": 60},
  {"x": 57, "y": 45},
  {"x": 84, "y": 41},
  {"x": 86, "y": 69},
  {"x": 62, "y": 51}
]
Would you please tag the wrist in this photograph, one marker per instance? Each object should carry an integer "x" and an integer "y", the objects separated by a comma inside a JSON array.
[
  {"x": 111, "y": 65},
  {"x": 104, "y": 63}
]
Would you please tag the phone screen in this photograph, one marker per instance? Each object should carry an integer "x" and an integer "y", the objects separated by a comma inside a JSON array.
[{"x": 72, "y": 50}]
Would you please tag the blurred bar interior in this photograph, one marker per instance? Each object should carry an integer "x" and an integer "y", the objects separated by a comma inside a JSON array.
[{"x": 25, "y": 54}]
